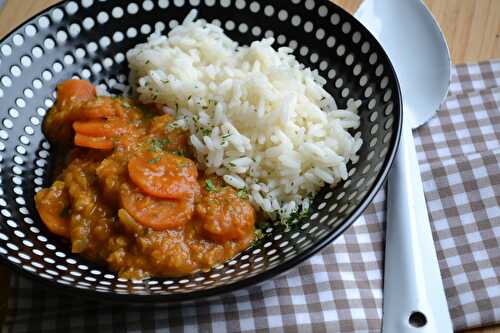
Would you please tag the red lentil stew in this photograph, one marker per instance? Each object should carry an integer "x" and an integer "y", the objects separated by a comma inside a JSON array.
[{"x": 127, "y": 193}]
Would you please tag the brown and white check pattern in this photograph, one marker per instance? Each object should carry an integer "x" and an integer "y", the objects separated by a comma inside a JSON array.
[{"x": 340, "y": 289}]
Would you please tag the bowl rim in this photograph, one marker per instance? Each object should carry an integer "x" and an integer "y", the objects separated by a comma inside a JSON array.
[{"x": 193, "y": 296}]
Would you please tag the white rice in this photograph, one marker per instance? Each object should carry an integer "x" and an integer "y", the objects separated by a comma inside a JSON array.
[{"x": 256, "y": 116}]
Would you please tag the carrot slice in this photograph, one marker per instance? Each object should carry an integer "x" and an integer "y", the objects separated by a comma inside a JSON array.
[
  {"x": 78, "y": 89},
  {"x": 93, "y": 128},
  {"x": 157, "y": 214},
  {"x": 99, "y": 109},
  {"x": 164, "y": 175},
  {"x": 100, "y": 127},
  {"x": 52, "y": 204},
  {"x": 93, "y": 142}
]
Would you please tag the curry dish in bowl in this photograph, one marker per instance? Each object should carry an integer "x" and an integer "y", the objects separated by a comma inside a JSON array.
[
  {"x": 128, "y": 193},
  {"x": 297, "y": 126}
]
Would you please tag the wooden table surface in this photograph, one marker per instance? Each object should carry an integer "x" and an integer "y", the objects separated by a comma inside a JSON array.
[{"x": 472, "y": 29}]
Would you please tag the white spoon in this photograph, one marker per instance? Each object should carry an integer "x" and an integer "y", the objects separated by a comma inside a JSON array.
[{"x": 414, "y": 298}]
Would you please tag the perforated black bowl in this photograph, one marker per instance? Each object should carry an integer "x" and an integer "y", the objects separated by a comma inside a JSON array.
[{"x": 88, "y": 39}]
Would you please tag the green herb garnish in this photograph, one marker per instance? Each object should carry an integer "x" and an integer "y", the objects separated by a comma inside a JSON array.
[
  {"x": 243, "y": 193},
  {"x": 294, "y": 218},
  {"x": 155, "y": 160},
  {"x": 179, "y": 153},
  {"x": 209, "y": 185},
  {"x": 303, "y": 213},
  {"x": 259, "y": 234},
  {"x": 158, "y": 145}
]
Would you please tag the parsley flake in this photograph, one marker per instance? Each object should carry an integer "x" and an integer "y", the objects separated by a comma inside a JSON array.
[
  {"x": 259, "y": 234},
  {"x": 158, "y": 145},
  {"x": 243, "y": 193},
  {"x": 209, "y": 185},
  {"x": 155, "y": 160}
]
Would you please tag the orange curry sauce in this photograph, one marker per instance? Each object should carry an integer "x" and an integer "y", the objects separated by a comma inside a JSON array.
[{"x": 128, "y": 194}]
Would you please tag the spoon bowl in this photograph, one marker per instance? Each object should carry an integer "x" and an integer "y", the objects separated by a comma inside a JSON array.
[{"x": 417, "y": 49}]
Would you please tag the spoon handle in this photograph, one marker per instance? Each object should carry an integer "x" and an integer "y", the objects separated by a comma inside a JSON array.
[{"x": 414, "y": 298}]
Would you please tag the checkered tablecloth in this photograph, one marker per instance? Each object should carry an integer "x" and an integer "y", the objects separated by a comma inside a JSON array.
[{"x": 340, "y": 289}]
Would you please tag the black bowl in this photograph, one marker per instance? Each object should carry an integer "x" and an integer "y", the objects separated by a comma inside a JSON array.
[{"x": 88, "y": 39}]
